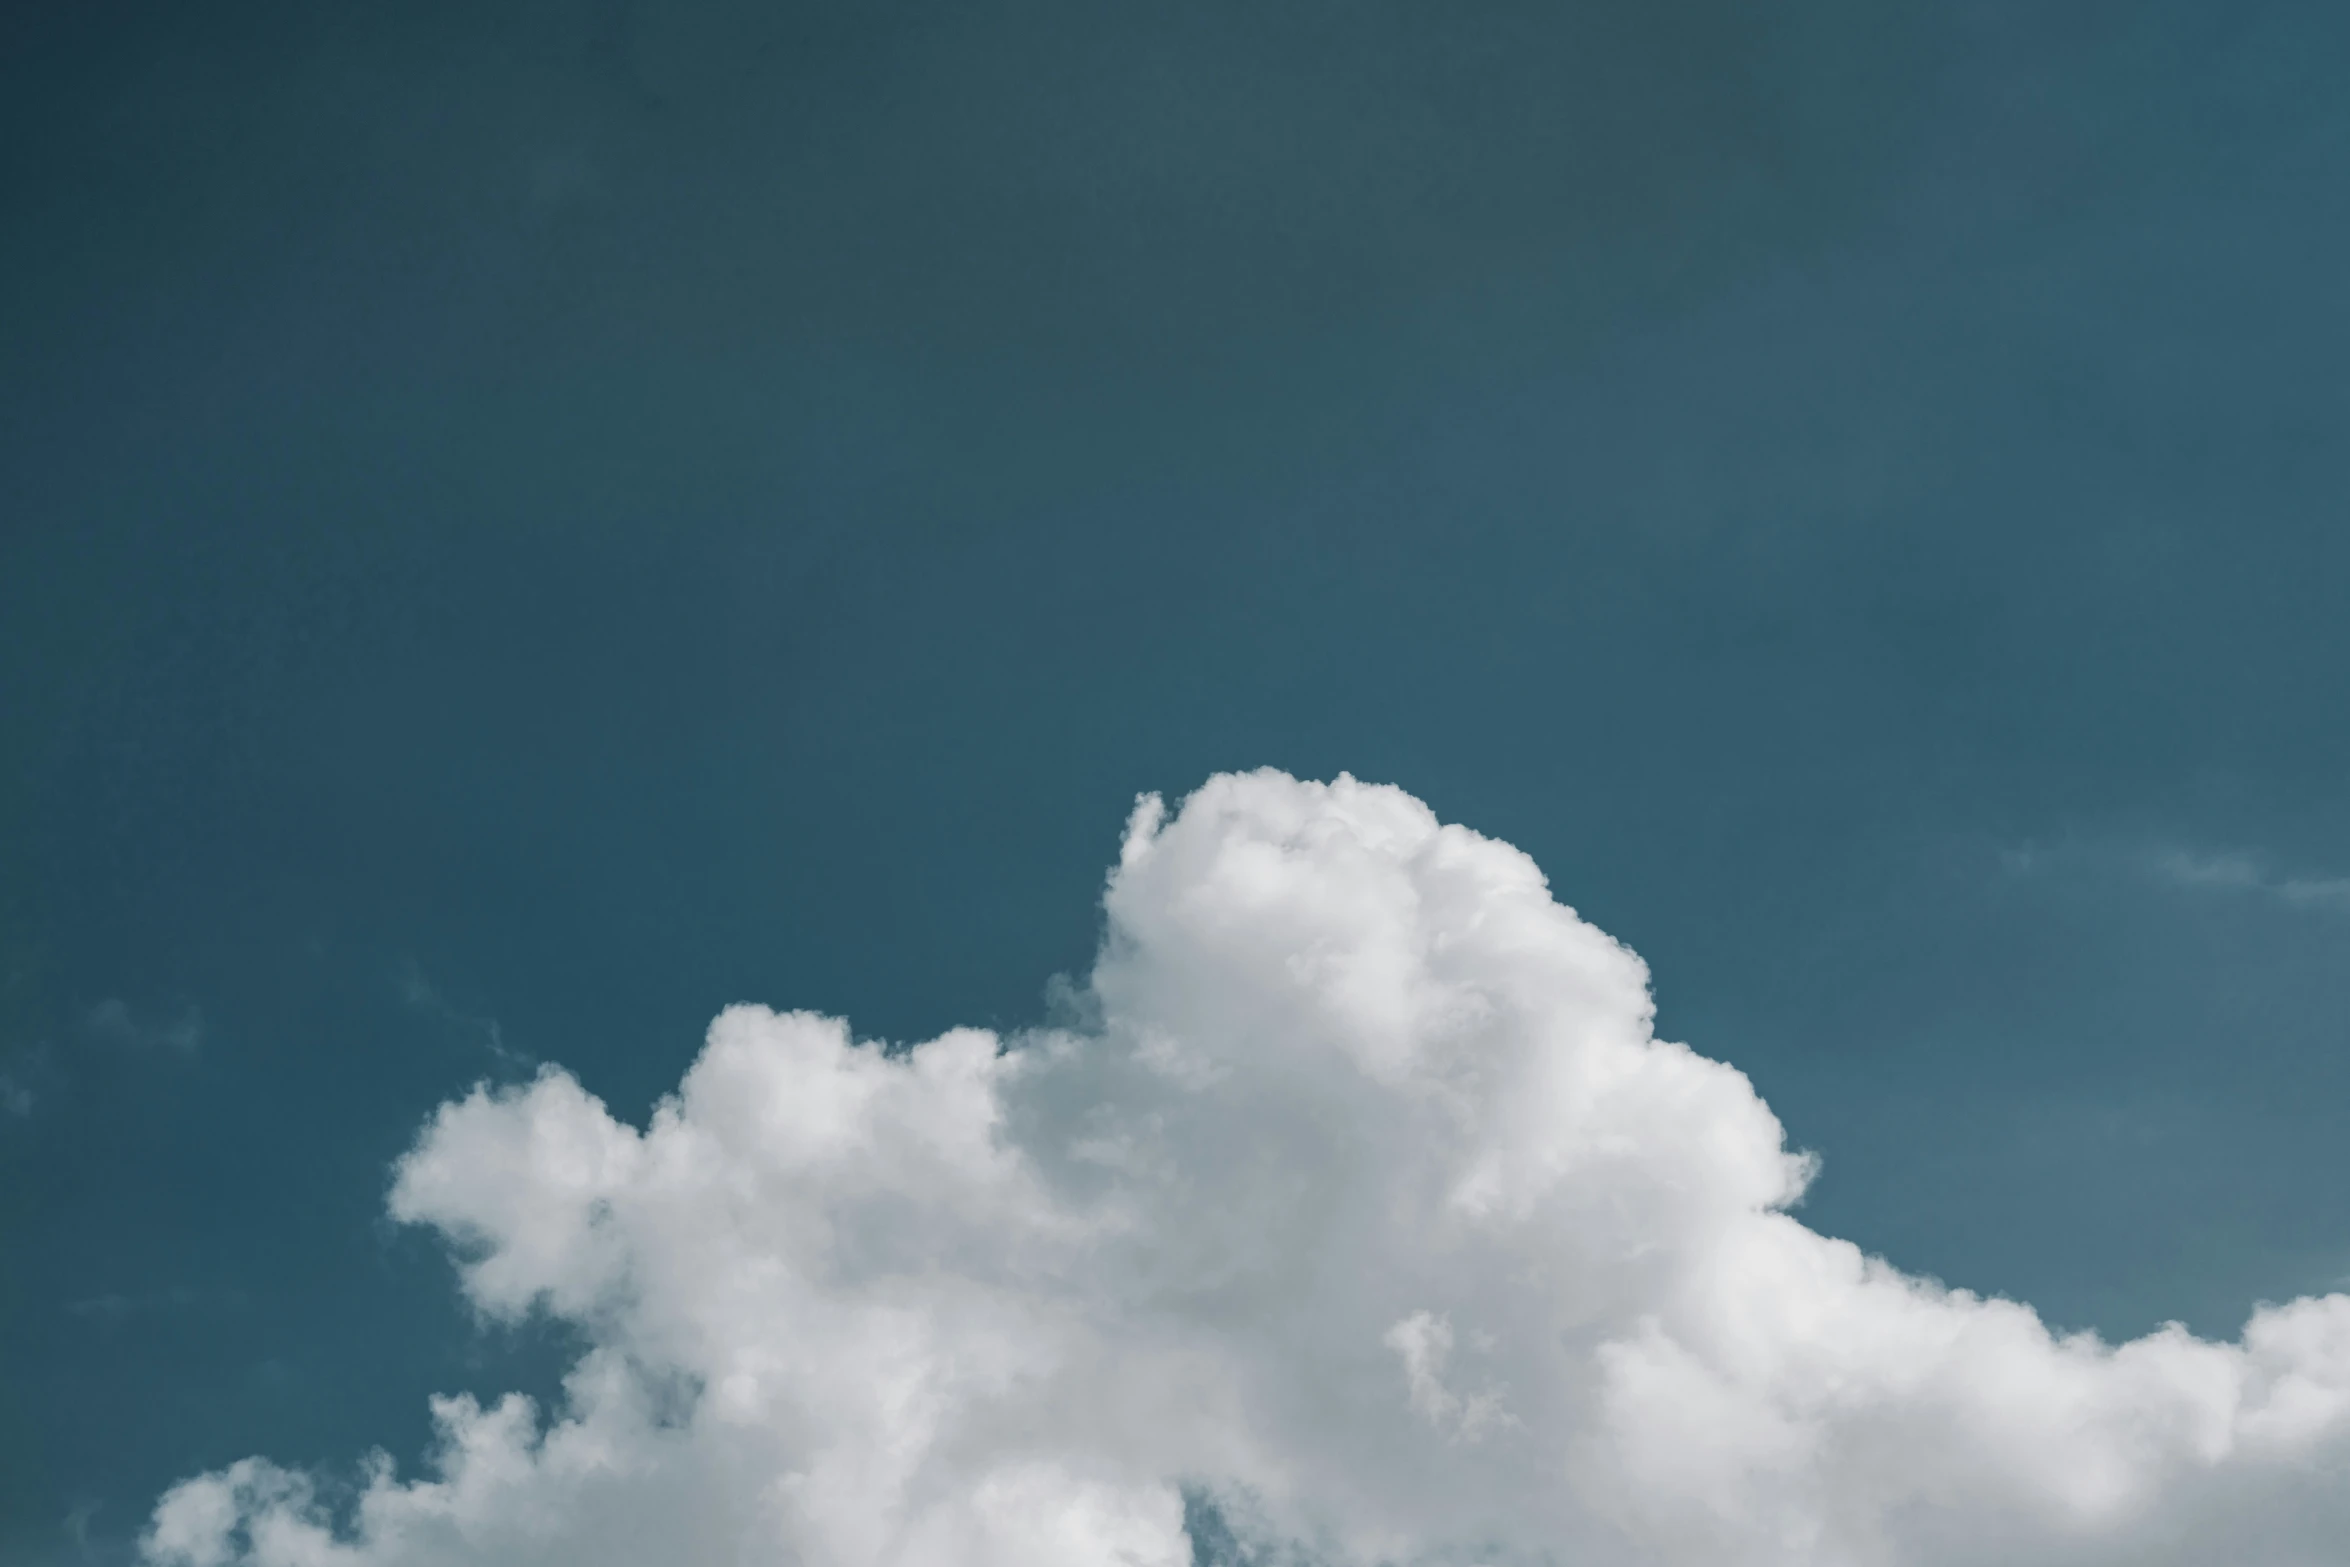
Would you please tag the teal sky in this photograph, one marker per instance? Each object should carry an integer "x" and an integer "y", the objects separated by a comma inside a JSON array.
[{"x": 521, "y": 529}]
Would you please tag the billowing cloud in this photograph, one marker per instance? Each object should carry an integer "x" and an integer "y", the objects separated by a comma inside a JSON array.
[{"x": 1368, "y": 1210}]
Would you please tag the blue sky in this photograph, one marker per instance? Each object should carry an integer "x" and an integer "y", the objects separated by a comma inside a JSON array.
[{"x": 522, "y": 530}]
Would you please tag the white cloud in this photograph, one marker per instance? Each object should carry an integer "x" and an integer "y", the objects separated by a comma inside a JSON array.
[{"x": 1370, "y": 1204}]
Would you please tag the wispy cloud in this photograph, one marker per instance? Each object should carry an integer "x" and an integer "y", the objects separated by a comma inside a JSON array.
[
  {"x": 77, "y": 1529},
  {"x": 112, "y": 1307},
  {"x": 31, "y": 1075},
  {"x": 113, "y": 1021},
  {"x": 2236, "y": 871},
  {"x": 28, "y": 1074},
  {"x": 421, "y": 995}
]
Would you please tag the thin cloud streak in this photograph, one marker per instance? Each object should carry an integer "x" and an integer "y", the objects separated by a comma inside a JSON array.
[{"x": 2246, "y": 873}]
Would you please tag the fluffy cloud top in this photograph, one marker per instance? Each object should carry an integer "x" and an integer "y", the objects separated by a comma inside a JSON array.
[{"x": 1369, "y": 1207}]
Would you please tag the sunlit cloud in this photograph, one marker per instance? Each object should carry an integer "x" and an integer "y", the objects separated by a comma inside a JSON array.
[{"x": 1358, "y": 1217}]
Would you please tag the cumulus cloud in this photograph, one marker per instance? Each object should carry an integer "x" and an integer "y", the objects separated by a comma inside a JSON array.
[{"x": 1365, "y": 1221}]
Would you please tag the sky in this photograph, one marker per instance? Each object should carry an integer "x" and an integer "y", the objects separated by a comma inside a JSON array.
[{"x": 522, "y": 528}]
